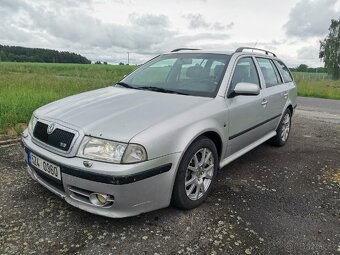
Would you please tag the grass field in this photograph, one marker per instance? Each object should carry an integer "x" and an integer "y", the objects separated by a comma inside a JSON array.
[
  {"x": 298, "y": 76},
  {"x": 317, "y": 85},
  {"x": 26, "y": 86},
  {"x": 319, "y": 88}
]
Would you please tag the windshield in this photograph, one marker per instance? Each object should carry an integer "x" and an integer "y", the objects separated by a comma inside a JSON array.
[{"x": 197, "y": 74}]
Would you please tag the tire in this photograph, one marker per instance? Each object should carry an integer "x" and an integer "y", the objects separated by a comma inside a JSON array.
[
  {"x": 193, "y": 170},
  {"x": 283, "y": 130}
]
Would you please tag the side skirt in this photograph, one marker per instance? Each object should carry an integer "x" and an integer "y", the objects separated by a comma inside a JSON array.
[{"x": 251, "y": 146}]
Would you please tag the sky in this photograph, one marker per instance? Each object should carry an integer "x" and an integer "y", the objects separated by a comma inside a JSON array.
[{"x": 106, "y": 30}]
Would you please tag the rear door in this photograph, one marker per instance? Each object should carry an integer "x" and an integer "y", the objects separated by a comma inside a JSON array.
[
  {"x": 287, "y": 80},
  {"x": 276, "y": 90},
  {"x": 246, "y": 112}
]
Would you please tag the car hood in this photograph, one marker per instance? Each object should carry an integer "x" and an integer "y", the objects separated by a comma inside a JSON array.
[{"x": 117, "y": 113}]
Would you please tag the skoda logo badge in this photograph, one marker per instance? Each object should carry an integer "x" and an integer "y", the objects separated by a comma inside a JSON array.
[{"x": 50, "y": 128}]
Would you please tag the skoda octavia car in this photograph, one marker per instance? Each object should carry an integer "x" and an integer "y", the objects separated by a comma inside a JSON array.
[{"x": 161, "y": 134}]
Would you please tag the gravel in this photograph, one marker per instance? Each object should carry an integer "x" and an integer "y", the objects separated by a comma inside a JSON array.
[{"x": 270, "y": 201}]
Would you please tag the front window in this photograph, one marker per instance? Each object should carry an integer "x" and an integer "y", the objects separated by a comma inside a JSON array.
[
  {"x": 245, "y": 71},
  {"x": 197, "y": 74}
]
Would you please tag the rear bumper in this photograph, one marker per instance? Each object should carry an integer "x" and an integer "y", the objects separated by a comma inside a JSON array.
[{"x": 136, "y": 188}]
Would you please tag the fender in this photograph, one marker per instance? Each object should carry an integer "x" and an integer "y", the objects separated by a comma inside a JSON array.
[{"x": 291, "y": 101}]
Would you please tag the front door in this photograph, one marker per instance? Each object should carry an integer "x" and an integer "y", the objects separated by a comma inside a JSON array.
[{"x": 247, "y": 113}]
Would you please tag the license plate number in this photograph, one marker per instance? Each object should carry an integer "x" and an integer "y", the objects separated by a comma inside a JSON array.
[{"x": 44, "y": 165}]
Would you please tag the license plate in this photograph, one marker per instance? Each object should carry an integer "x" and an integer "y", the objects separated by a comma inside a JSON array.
[{"x": 44, "y": 165}]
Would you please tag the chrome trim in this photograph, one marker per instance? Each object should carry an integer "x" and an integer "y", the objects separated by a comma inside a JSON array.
[{"x": 50, "y": 128}]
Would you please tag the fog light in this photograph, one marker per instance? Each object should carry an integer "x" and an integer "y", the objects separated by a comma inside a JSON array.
[
  {"x": 99, "y": 199},
  {"x": 102, "y": 198}
]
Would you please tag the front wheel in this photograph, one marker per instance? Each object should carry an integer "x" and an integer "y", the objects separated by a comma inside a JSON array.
[
  {"x": 283, "y": 130},
  {"x": 196, "y": 174}
]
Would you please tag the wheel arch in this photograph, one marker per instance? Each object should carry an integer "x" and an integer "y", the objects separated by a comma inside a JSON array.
[
  {"x": 212, "y": 134},
  {"x": 290, "y": 107},
  {"x": 215, "y": 138}
]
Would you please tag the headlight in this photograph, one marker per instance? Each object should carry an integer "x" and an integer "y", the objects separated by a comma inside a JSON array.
[
  {"x": 31, "y": 125},
  {"x": 102, "y": 150},
  {"x": 109, "y": 151}
]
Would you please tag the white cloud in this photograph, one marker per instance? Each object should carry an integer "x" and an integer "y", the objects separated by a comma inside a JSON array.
[
  {"x": 107, "y": 29},
  {"x": 197, "y": 21},
  {"x": 311, "y": 18}
]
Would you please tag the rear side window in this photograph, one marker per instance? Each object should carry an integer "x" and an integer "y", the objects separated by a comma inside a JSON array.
[
  {"x": 245, "y": 71},
  {"x": 270, "y": 74},
  {"x": 287, "y": 77}
]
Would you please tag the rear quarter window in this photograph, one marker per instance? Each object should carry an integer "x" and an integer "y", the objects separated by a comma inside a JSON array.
[{"x": 287, "y": 77}]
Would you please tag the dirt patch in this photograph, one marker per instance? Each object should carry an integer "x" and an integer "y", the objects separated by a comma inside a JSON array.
[{"x": 336, "y": 177}]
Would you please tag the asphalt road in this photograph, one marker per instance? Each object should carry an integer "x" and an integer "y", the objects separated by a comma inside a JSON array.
[
  {"x": 270, "y": 201},
  {"x": 319, "y": 104}
]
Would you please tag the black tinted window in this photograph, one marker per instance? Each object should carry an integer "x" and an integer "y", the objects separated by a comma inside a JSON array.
[
  {"x": 245, "y": 71},
  {"x": 270, "y": 74},
  {"x": 284, "y": 71}
]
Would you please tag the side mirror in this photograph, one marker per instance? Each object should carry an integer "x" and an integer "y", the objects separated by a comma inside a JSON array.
[{"x": 245, "y": 88}]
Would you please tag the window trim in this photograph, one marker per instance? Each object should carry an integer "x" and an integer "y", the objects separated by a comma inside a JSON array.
[
  {"x": 277, "y": 72},
  {"x": 228, "y": 92}
]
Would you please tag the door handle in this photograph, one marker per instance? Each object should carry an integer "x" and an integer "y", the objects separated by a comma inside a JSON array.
[{"x": 264, "y": 102}]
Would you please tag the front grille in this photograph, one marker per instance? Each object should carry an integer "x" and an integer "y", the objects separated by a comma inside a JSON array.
[
  {"x": 50, "y": 181},
  {"x": 60, "y": 139}
]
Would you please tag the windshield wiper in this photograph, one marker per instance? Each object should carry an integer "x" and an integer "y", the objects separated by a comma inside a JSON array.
[
  {"x": 157, "y": 89},
  {"x": 125, "y": 85}
]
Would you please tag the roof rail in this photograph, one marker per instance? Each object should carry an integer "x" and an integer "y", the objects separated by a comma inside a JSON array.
[
  {"x": 179, "y": 49},
  {"x": 250, "y": 48}
]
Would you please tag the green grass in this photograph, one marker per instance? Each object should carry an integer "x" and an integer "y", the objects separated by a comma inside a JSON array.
[
  {"x": 26, "y": 86},
  {"x": 310, "y": 76},
  {"x": 319, "y": 88},
  {"x": 317, "y": 85}
]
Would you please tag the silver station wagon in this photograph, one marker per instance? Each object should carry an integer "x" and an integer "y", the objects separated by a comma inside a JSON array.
[{"x": 160, "y": 135}]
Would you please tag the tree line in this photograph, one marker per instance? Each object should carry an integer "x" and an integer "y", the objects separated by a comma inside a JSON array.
[
  {"x": 23, "y": 54},
  {"x": 306, "y": 69}
]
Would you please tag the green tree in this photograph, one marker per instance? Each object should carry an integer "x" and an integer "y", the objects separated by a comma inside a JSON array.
[
  {"x": 330, "y": 49},
  {"x": 302, "y": 68}
]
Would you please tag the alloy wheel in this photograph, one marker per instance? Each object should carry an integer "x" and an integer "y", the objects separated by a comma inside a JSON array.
[
  {"x": 285, "y": 127},
  {"x": 199, "y": 173}
]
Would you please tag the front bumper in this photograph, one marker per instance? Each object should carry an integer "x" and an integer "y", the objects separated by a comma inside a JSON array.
[{"x": 136, "y": 188}]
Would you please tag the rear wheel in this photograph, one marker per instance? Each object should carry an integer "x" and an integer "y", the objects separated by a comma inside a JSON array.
[
  {"x": 196, "y": 174},
  {"x": 283, "y": 130}
]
